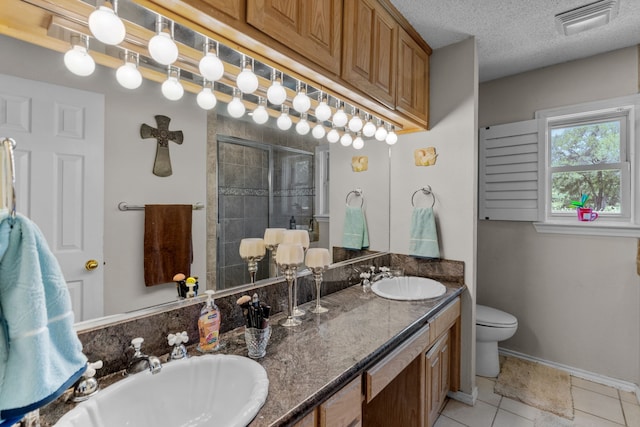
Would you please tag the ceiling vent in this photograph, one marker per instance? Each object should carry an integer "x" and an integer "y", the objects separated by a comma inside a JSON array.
[{"x": 586, "y": 17}]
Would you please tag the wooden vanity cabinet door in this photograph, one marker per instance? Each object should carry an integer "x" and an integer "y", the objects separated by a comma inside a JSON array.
[
  {"x": 437, "y": 378},
  {"x": 413, "y": 78},
  {"x": 343, "y": 409},
  {"x": 369, "y": 45},
  {"x": 312, "y": 28},
  {"x": 308, "y": 421}
]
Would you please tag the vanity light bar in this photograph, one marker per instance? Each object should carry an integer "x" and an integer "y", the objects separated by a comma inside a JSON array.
[{"x": 136, "y": 39}]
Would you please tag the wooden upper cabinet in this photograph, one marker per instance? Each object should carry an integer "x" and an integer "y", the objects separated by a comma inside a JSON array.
[
  {"x": 234, "y": 8},
  {"x": 312, "y": 28},
  {"x": 413, "y": 78},
  {"x": 369, "y": 46}
]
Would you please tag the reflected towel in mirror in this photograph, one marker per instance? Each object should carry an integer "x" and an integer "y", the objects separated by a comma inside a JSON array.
[
  {"x": 167, "y": 242},
  {"x": 40, "y": 353},
  {"x": 423, "y": 242},
  {"x": 355, "y": 234}
]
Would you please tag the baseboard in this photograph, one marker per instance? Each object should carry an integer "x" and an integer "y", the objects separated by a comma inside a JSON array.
[
  {"x": 469, "y": 399},
  {"x": 580, "y": 373}
]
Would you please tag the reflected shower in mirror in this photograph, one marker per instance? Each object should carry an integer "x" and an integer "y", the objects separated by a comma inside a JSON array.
[{"x": 260, "y": 186}]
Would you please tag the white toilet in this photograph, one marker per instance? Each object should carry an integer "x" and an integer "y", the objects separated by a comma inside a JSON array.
[{"x": 492, "y": 325}]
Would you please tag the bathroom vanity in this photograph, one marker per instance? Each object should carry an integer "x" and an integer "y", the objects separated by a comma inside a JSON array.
[{"x": 368, "y": 361}]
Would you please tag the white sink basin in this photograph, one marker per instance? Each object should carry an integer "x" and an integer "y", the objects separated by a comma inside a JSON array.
[
  {"x": 220, "y": 390},
  {"x": 408, "y": 288}
]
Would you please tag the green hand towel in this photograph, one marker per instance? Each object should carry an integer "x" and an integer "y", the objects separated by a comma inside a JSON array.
[
  {"x": 355, "y": 234},
  {"x": 424, "y": 236}
]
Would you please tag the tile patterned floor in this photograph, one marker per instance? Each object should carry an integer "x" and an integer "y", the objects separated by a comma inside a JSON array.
[{"x": 595, "y": 405}]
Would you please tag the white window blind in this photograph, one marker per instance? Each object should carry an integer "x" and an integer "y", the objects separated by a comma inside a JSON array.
[{"x": 509, "y": 159}]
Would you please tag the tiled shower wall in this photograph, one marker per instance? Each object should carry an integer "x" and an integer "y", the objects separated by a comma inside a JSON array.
[{"x": 301, "y": 207}]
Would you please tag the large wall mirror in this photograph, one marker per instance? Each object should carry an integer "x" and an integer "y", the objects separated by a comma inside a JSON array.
[{"x": 202, "y": 174}]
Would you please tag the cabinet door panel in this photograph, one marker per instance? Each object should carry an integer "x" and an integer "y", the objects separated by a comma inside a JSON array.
[
  {"x": 312, "y": 28},
  {"x": 369, "y": 45},
  {"x": 233, "y": 8},
  {"x": 413, "y": 78}
]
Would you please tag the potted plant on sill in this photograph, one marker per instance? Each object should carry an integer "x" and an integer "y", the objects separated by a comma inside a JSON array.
[{"x": 584, "y": 214}]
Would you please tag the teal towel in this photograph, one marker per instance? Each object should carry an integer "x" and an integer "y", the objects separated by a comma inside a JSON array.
[
  {"x": 40, "y": 353},
  {"x": 424, "y": 236},
  {"x": 355, "y": 235}
]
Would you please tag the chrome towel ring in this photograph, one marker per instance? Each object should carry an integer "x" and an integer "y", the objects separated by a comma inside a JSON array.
[
  {"x": 426, "y": 191},
  {"x": 356, "y": 193}
]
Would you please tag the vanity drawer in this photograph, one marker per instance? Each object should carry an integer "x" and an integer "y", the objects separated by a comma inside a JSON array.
[
  {"x": 308, "y": 421},
  {"x": 385, "y": 371},
  {"x": 443, "y": 321},
  {"x": 343, "y": 409}
]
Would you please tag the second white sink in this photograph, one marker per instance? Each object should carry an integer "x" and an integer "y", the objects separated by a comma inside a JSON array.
[{"x": 408, "y": 288}]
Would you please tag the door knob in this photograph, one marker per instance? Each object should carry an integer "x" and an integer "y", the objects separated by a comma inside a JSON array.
[{"x": 92, "y": 264}]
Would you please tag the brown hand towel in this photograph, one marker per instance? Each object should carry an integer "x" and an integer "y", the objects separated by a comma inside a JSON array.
[{"x": 167, "y": 242}]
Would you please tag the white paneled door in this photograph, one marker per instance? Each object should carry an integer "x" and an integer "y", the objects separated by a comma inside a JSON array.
[{"x": 59, "y": 160}]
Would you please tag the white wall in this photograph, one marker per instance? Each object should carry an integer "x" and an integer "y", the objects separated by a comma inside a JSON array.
[
  {"x": 128, "y": 168},
  {"x": 453, "y": 179},
  {"x": 577, "y": 298}
]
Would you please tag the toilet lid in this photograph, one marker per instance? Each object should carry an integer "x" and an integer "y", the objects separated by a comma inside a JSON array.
[{"x": 487, "y": 316}]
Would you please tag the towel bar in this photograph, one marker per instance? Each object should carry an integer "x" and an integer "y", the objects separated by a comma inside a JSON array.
[
  {"x": 426, "y": 191},
  {"x": 8, "y": 176},
  {"x": 357, "y": 193},
  {"x": 124, "y": 206}
]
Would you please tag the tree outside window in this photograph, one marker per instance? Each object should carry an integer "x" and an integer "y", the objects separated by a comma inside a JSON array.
[{"x": 587, "y": 158}]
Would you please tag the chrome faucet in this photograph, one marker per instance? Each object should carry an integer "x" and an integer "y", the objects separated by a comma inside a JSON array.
[
  {"x": 140, "y": 362},
  {"x": 383, "y": 274}
]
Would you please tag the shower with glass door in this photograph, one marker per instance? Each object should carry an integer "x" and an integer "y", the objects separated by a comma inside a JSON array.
[{"x": 259, "y": 186}]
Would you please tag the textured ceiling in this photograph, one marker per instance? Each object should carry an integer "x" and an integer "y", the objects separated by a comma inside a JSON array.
[{"x": 514, "y": 36}]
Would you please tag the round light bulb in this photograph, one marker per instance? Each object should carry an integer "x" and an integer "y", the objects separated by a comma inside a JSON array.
[
  {"x": 106, "y": 26},
  {"x": 323, "y": 111},
  {"x": 206, "y": 99},
  {"x": 129, "y": 76},
  {"x": 358, "y": 143},
  {"x": 318, "y": 131},
  {"x": 346, "y": 139},
  {"x": 211, "y": 67},
  {"x": 163, "y": 49},
  {"x": 172, "y": 89},
  {"x": 276, "y": 94},
  {"x": 236, "y": 108},
  {"x": 355, "y": 124},
  {"x": 391, "y": 138},
  {"x": 340, "y": 118},
  {"x": 302, "y": 127},
  {"x": 260, "y": 115},
  {"x": 369, "y": 129},
  {"x": 284, "y": 122},
  {"x": 79, "y": 62},
  {"x": 381, "y": 133},
  {"x": 333, "y": 136},
  {"x": 247, "y": 81},
  {"x": 301, "y": 102}
]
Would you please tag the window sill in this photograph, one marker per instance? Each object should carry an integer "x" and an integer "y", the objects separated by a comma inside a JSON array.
[{"x": 588, "y": 229}]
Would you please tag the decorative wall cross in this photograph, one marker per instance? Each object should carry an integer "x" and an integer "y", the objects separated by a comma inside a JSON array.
[{"x": 162, "y": 165}]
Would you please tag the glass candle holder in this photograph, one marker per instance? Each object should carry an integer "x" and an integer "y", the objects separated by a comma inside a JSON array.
[
  {"x": 317, "y": 259},
  {"x": 252, "y": 251},
  {"x": 288, "y": 257}
]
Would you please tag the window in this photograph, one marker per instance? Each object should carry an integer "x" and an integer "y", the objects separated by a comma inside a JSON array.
[
  {"x": 588, "y": 157},
  {"x": 538, "y": 170},
  {"x": 589, "y": 154}
]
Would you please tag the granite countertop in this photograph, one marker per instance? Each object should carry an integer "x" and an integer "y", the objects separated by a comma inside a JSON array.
[{"x": 308, "y": 363}]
